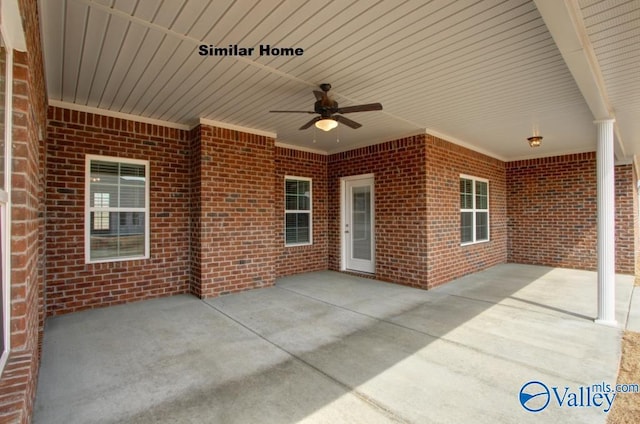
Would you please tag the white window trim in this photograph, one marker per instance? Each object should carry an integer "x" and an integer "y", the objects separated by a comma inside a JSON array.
[
  {"x": 310, "y": 211},
  {"x": 5, "y": 218},
  {"x": 87, "y": 208},
  {"x": 474, "y": 210}
]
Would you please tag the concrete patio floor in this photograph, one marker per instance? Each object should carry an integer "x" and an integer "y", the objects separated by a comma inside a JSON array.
[{"x": 327, "y": 347}]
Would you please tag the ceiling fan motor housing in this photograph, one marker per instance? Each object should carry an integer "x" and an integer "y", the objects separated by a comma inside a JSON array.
[{"x": 324, "y": 110}]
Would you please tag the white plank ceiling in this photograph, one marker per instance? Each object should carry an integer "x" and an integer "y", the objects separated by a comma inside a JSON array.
[{"x": 482, "y": 73}]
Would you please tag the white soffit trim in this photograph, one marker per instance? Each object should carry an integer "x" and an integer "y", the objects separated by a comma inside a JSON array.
[
  {"x": 113, "y": 114},
  {"x": 625, "y": 161},
  {"x": 373, "y": 142},
  {"x": 426, "y": 131},
  {"x": 564, "y": 21},
  {"x": 465, "y": 144},
  {"x": 12, "y": 30},
  {"x": 225, "y": 125},
  {"x": 301, "y": 148}
]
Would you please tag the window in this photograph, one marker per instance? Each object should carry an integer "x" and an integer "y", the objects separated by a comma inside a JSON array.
[
  {"x": 474, "y": 210},
  {"x": 6, "y": 61},
  {"x": 101, "y": 219},
  {"x": 297, "y": 215},
  {"x": 117, "y": 210}
]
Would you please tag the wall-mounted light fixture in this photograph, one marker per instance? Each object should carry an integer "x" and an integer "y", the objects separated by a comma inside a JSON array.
[
  {"x": 535, "y": 141},
  {"x": 326, "y": 124}
]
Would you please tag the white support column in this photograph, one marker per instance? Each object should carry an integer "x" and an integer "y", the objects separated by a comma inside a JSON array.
[{"x": 606, "y": 224}]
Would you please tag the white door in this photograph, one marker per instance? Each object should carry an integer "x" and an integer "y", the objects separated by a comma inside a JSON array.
[{"x": 358, "y": 228}]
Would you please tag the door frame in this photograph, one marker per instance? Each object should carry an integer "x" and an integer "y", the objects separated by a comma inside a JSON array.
[{"x": 343, "y": 219}]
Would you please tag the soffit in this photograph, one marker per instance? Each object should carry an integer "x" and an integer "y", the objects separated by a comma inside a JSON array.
[
  {"x": 613, "y": 28},
  {"x": 486, "y": 74}
]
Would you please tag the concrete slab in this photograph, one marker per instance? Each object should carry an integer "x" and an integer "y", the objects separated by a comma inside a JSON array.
[
  {"x": 331, "y": 347},
  {"x": 633, "y": 324},
  {"x": 175, "y": 360}
]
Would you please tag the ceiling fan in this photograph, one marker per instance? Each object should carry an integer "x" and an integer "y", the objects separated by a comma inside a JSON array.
[{"x": 329, "y": 111}]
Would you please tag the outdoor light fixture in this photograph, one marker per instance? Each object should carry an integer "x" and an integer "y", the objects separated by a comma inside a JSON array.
[
  {"x": 535, "y": 141},
  {"x": 326, "y": 124}
]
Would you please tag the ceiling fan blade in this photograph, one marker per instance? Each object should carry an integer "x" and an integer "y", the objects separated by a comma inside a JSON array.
[
  {"x": 360, "y": 108},
  {"x": 308, "y": 124},
  {"x": 319, "y": 94},
  {"x": 290, "y": 111},
  {"x": 348, "y": 122}
]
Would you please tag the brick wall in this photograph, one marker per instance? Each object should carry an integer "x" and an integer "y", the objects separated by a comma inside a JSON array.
[
  {"x": 19, "y": 378},
  {"x": 237, "y": 211},
  {"x": 212, "y": 212},
  {"x": 400, "y": 207},
  {"x": 626, "y": 214},
  {"x": 195, "y": 229},
  {"x": 553, "y": 212},
  {"x": 447, "y": 259},
  {"x": 73, "y": 285},
  {"x": 636, "y": 222},
  {"x": 417, "y": 209},
  {"x": 297, "y": 259}
]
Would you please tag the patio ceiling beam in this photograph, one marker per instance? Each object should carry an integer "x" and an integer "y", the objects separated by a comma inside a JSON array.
[{"x": 566, "y": 25}]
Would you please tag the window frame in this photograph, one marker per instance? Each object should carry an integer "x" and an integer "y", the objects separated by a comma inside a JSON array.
[
  {"x": 288, "y": 211},
  {"x": 474, "y": 210},
  {"x": 88, "y": 209},
  {"x": 5, "y": 208}
]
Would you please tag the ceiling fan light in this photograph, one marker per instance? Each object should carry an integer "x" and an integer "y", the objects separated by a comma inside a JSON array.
[
  {"x": 326, "y": 124},
  {"x": 535, "y": 141}
]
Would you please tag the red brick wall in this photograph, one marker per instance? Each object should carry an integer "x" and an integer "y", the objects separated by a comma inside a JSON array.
[
  {"x": 195, "y": 228},
  {"x": 553, "y": 212},
  {"x": 400, "y": 207},
  {"x": 19, "y": 378},
  {"x": 446, "y": 258},
  {"x": 417, "y": 209},
  {"x": 297, "y": 259},
  {"x": 73, "y": 285},
  {"x": 636, "y": 223},
  {"x": 237, "y": 212},
  {"x": 626, "y": 214}
]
